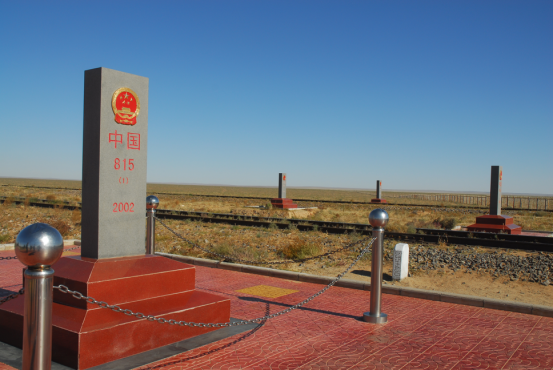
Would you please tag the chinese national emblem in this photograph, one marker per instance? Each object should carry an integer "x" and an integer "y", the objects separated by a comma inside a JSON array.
[{"x": 126, "y": 106}]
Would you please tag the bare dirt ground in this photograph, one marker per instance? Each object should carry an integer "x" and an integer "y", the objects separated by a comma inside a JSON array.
[
  {"x": 270, "y": 244},
  {"x": 247, "y": 240}
]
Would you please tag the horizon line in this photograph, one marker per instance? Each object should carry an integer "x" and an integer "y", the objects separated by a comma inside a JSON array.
[{"x": 305, "y": 187}]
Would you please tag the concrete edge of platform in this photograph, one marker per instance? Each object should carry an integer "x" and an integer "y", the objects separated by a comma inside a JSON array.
[{"x": 462, "y": 299}]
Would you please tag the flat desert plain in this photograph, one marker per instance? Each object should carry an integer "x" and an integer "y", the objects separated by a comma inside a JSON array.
[{"x": 271, "y": 244}]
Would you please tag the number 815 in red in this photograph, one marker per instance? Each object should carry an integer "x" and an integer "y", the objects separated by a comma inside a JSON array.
[
  {"x": 127, "y": 165},
  {"x": 123, "y": 207}
]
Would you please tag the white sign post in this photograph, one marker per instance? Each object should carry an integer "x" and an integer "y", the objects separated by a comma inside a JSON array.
[{"x": 401, "y": 261}]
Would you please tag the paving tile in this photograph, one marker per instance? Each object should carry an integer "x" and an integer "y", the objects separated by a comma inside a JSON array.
[{"x": 328, "y": 333}]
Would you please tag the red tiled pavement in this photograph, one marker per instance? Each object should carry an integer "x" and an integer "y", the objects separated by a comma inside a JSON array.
[{"x": 327, "y": 333}]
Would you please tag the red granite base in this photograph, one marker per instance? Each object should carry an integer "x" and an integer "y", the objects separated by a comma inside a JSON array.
[
  {"x": 495, "y": 224},
  {"x": 378, "y": 201},
  {"x": 85, "y": 335},
  {"x": 283, "y": 203}
]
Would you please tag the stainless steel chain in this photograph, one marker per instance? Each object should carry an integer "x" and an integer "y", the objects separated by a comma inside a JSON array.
[
  {"x": 8, "y": 258},
  {"x": 15, "y": 257},
  {"x": 161, "y": 320},
  {"x": 22, "y": 290},
  {"x": 229, "y": 258},
  {"x": 11, "y": 296}
]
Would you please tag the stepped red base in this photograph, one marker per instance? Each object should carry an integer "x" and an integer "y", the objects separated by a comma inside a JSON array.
[
  {"x": 85, "y": 335},
  {"x": 495, "y": 224},
  {"x": 378, "y": 201},
  {"x": 283, "y": 203}
]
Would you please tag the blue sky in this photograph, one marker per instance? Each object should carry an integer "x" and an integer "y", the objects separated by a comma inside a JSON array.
[{"x": 419, "y": 94}]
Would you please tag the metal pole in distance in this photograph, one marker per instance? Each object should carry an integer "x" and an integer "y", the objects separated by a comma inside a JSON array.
[
  {"x": 378, "y": 219},
  {"x": 38, "y": 246},
  {"x": 151, "y": 205}
]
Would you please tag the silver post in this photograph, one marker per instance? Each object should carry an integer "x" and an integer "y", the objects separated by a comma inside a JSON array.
[
  {"x": 38, "y": 246},
  {"x": 151, "y": 205},
  {"x": 378, "y": 219}
]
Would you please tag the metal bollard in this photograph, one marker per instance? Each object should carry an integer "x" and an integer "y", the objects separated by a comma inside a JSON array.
[
  {"x": 378, "y": 219},
  {"x": 151, "y": 205},
  {"x": 38, "y": 246}
]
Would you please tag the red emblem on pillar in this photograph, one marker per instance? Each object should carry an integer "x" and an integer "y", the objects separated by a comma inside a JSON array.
[
  {"x": 500, "y": 175},
  {"x": 125, "y": 105},
  {"x": 284, "y": 178}
]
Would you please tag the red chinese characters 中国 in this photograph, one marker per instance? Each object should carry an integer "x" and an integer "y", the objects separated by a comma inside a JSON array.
[
  {"x": 133, "y": 141},
  {"x": 115, "y": 138}
]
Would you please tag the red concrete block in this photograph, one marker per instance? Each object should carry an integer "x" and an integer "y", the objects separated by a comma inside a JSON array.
[
  {"x": 495, "y": 224},
  {"x": 283, "y": 203},
  {"x": 378, "y": 201},
  {"x": 85, "y": 335}
]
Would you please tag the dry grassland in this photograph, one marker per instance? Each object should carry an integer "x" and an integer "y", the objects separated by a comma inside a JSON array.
[
  {"x": 262, "y": 244},
  {"x": 344, "y": 195},
  {"x": 270, "y": 244},
  {"x": 401, "y": 220},
  {"x": 13, "y": 218}
]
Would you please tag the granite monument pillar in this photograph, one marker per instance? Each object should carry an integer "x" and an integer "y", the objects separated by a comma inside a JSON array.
[
  {"x": 282, "y": 202},
  {"x": 115, "y": 144},
  {"x": 495, "y": 190},
  {"x": 378, "y": 199},
  {"x": 113, "y": 266},
  {"x": 282, "y": 185},
  {"x": 495, "y": 222}
]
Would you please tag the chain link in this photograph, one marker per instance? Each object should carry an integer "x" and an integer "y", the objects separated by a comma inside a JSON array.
[
  {"x": 22, "y": 290},
  {"x": 11, "y": 296},
  {"x": 228, "y": 258},
  {"x": 8, "y": 258},
  {"x": 15, "y": 257},
  {"x": 161, "y": 320}
]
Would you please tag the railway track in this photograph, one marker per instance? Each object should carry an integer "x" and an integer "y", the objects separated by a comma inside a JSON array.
[
  {"x": 311, "y": 201},
  {"x": 522, "y": 242}
]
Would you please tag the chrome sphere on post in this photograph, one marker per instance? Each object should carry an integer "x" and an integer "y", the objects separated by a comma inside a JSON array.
[
  {"x": 152, "y": 202},
  {"x": 38, "y": 246},
  {"x": 378, "y": 219}
]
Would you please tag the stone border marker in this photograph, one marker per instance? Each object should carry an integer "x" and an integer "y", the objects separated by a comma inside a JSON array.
[
  {"x": 378, "y": 198},
  {"x": 282, "y": 202},
  {"x": 115, "y": 136},
  {"x": 495, "y": 190},
  {"x": 495, "y": 222},
  {"x": 282, "y": 185}
]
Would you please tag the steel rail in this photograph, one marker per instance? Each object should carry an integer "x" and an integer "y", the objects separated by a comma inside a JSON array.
[
  {"x": 522, "y": 242},
  {"x": 507, "y": 208}
]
